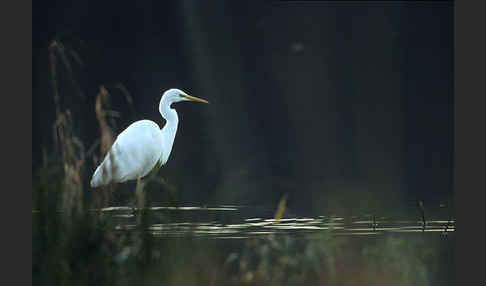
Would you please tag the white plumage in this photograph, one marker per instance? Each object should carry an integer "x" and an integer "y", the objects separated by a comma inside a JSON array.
[{"x": 142, "y": 145}]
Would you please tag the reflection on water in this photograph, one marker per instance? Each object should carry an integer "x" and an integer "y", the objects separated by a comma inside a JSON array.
[
  {"x": 236, "y": 222},
  {"x": 247, "y": 244}
]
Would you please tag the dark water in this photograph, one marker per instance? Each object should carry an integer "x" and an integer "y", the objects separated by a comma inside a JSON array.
[
  {"x": 246, "y": 245},
  {"x": 240, "y": 222}
]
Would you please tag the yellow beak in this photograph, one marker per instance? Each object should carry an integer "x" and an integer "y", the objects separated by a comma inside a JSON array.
[{"x": 193, "y": 98}]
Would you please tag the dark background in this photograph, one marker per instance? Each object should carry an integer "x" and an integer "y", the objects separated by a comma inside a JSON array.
[{"x": 335, "y": 103}]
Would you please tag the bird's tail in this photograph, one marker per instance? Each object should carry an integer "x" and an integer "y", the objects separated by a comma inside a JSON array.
[
  {"x": 103, "y": 174},
  {"x": 96, "y": 180}
]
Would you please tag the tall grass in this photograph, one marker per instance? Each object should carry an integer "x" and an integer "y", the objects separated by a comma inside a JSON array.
[{"x": 71, "y": 243}]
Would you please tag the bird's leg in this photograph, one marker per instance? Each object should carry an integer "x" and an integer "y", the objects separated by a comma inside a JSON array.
[
  {"x": 421, "y": 205},
  {"x": 135, "y": 202},
  {"x": 133, "y": 205},
  {"x": 154, "y": 172},
  {"x": 139, "y": 193}
]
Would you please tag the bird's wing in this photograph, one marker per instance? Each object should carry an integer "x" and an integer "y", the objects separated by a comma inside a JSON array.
[
  {"x": 138, "y": 149},
  {"x": 134, "y": 153}
]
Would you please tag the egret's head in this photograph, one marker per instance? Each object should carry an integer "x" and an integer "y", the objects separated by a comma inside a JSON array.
[{"x": 176, "y": 95}]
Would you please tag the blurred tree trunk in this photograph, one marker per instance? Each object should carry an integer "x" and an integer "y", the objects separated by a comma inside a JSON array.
[{"x": 216, "y": 63}]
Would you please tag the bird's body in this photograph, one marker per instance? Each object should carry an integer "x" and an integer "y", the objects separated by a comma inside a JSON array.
[
  {"x": 141, "y": 145},
  {"x": 134, "y": 154}
]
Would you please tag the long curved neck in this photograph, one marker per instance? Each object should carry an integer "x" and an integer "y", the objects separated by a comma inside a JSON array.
[
  {"x": 169, "y": 130},
  {"x": 169, "y": 114}
]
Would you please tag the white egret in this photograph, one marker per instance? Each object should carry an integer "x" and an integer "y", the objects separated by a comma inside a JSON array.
[{"x": 142, "y": 145}]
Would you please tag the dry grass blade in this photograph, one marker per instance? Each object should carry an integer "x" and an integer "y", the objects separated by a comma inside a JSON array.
[
  {"x": 52, "y": 63},
  {"x": 281, "y": 208},
  {"x": 106, "y": 141},
  {"x": 68, "y": 145},
  {"x": 72, "y": 153},
  {"x": 107, "y": 137},
  {"x": 57, "y": 51}
]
